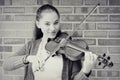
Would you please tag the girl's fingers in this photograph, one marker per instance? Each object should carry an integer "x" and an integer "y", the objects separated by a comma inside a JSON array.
[
  {"x": 88, "y": 56},
  {"x": 95, "y": 57}
]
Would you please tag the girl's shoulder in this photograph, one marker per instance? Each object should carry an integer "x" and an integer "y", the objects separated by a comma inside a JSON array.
[{"x": 33, "y": 42}]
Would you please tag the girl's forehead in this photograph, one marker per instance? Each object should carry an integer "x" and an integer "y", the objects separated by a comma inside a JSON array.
[
  {"x": 48, "y": 10},
  {"x": 49, "y": 15}
]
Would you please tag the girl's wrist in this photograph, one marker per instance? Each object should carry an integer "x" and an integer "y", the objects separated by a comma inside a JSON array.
[
  {"x": 85, "y": 71},
  {"x": 25, "y": 60}
]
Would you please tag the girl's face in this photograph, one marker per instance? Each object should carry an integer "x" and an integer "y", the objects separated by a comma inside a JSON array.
[{"x": 49, "y": 24}]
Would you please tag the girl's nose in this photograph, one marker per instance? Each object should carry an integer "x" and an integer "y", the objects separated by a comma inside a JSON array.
[{"x": 52, "y": 27}]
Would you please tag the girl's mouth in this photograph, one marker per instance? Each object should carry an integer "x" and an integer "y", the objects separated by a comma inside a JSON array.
[{"x": 53, "y": 32}]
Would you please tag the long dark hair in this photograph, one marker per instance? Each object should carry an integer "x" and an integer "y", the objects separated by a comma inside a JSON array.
[{"x": 37, "y": 31}]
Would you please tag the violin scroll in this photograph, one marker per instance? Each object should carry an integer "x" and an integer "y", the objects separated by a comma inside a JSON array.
[{"x": 105, "y": 61}]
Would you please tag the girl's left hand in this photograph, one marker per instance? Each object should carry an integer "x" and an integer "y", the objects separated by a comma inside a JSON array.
[
  {"x": 35, "y": 62},
  {"x": 89, "y": 62}
]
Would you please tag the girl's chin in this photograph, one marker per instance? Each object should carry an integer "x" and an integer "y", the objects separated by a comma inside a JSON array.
[{"x": 52, "y": 36}]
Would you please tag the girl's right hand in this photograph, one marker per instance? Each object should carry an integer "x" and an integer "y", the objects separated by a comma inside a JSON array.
[{"x": 35, "y": 62}]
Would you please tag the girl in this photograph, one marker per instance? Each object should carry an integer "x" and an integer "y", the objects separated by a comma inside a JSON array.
[{"x": 33, "y": 54}]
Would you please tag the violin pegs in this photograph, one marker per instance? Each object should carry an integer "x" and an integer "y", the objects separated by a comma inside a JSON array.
[
  {"x": 99, "y": 63},
  {"x": 108, "y": 57},
  {"x": 104, "y": 55},
  {"x": 110, "y": 64}
]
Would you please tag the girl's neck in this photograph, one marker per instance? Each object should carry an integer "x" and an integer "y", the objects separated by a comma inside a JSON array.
[{"x": 44, "y": 42}]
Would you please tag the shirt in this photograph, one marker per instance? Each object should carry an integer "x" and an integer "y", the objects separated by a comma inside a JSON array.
[{"x": 71, "y": 69}]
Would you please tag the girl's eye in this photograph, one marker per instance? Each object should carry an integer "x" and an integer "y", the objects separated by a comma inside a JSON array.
[{"x": 56, "y": 23}]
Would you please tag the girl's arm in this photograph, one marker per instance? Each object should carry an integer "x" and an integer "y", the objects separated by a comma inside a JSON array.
[
  {"x": 17, "y": 60},
  {"x": 78, "y": 70}
]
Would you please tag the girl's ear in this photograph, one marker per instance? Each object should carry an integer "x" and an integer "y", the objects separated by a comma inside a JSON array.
[{"x": 37, "y": 23}]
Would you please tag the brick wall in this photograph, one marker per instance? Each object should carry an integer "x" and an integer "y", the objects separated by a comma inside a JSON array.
[{"x": 101, "y": 30}]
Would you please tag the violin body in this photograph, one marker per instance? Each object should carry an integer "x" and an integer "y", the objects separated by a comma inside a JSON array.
[{"x": 71, "y": 50}]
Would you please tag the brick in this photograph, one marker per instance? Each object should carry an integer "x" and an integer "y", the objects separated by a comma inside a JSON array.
[
  {"x": 5, "y": 48},
  {"x": 6, "y": 55},
  {"x": 8, "y": 2},
  {"x": 115, "y": 18},
  {"x": 6, "y": 18},
  {"x": 115, "y": 58},
  {"x": 16, "y": 34},
  {"x": 8, "y": 77},
  {"x": 83, "y": 10},
  {"x": 72, "y": 17},
  {"x": 66, "y": 26},
  {"x": 98, "y": 50},
  {"x": 16, "y": 48},
  {"x": 19, "y": 77},
  {"x": 114, "y": 2},
  {"x": 98, "y": 78},
  {"x": 19, "y": 71},
  {"x": 46, "y": 1},
  {"x": 28, "y": 26},
  {"x": 24, "y": 2},
  {"x": 102, "y": 73},
  {"x": 31, "y": 9},
  {"x": 90, "y": 41},
  {"x": 64, "y": 9},
  {"x": 1, "y": 2},
  {"x": 39, "y": 2},
  {"x": 85, "y": 26},
  {"x": 95, "y": 34},
  {"x": 108, "y": 73},
  {"x": 14, "y": 41},
  {"x": 93, "y": 74},
  {"x": 24, "y": 17},
  {"x": 54, "y": 2},
  {"x": 105, "y": 42},
  {"x": 108, "y": 26},
  {"x": 28, "y": 39},
  {"x": 109, "y": 10},
  {"x": 114, "y": 78},
  {"x": 94, "y": 2},
  {"x": 1, "y": 63},
  {"x": 71, "y": 2},
  {"x": 1, "y": 56},
  {"x": 13, "y": 10},
  {"x": 1, "y": 73},
  {"x": 77, "y": 34},
  {"x": 114, "y": 34},
  {"x": 116, "y": 66},
  {"x": 113, "y": 50},
  {"x": 97, "y": 18},
  {"x": 0, "y": 10},
  {"x": 0, "y": 40},
  {"x": 113, "y": 73}
]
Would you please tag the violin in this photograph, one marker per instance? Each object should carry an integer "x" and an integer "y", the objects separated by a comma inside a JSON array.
[{"x": 74, "y": 50}]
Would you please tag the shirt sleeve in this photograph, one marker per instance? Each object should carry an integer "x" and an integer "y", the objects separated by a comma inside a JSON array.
[
  {"x": 16, "y": 60},
  {"x": 80, "y": 76},
  {"x": 77, "y": 73}
]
